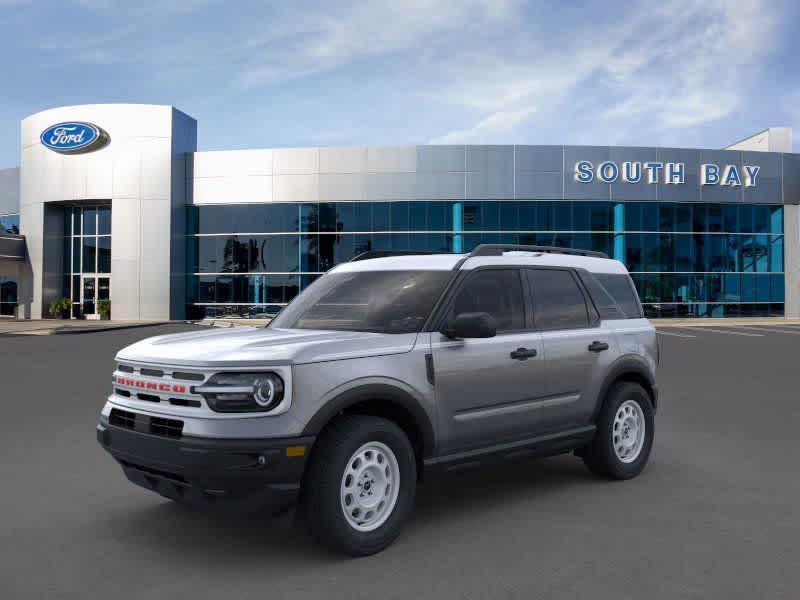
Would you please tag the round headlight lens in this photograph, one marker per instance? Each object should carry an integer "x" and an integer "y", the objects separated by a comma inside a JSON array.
[{"x": 264, "y": 391}]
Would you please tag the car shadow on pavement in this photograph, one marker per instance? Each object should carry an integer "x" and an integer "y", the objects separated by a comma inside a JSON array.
[{"x": 474, "y": 495}]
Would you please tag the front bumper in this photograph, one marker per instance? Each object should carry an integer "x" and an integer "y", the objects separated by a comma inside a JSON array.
[{"x": 243, "y": 476}]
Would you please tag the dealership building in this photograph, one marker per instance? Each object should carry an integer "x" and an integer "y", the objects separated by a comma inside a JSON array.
[{"x": 112, "y": 202}]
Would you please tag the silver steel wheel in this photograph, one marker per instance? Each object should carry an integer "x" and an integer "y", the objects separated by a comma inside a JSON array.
[
  {"x": 370, "y": 486},
  {"x": 629, "y": 431}
]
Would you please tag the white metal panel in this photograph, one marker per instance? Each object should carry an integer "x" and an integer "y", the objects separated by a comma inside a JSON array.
[
  {"x": 342, "y": 160},
  {"x": 232, "y": 163},
  {"x": 295, "y": 161},
  {"x": 295, "y": 188},
  {"x": 156, "y": 167},
  {"x": 342, "y": 186},
  {"x": 99, "y": 177},
  {"x": 242, "y": 188},
  {"x": 392, "y": 159},
  {"x": 127, "y": 175}
]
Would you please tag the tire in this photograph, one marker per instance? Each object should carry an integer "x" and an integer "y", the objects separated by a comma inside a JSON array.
[
  {"x": 355, "y": 466},
  {"x": 614, "y": 453}
]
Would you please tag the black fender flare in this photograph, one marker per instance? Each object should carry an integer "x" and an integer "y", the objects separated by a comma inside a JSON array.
[
  {"x": 627, "y": 365},
  {"x": 377, "y": 392}
]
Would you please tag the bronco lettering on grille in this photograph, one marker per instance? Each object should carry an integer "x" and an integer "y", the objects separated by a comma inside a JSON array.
[{"x": 150, "y": 385}]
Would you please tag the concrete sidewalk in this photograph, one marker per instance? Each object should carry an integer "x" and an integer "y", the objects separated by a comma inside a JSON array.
[{"x": 64, "y": 326}]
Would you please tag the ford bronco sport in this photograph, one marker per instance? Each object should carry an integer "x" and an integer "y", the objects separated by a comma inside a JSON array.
[{"x": 385, "y": 369}]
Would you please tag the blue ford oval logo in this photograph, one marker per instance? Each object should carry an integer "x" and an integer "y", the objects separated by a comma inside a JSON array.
[{"x": 74, "y": 137}]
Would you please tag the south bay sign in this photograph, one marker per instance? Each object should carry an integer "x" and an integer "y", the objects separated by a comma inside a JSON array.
[{"x": 665, "y": 172}]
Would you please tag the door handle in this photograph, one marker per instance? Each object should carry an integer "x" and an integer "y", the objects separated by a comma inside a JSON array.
[
  {"x": 598, "y": 346},
  {"x": 523, "y": 353}
]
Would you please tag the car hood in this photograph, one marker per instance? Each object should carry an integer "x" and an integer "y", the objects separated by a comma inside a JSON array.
[{"x": 251, "y": 346}]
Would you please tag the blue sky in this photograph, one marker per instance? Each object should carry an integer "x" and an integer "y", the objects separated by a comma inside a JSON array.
[{"x": 267, "y": 74}]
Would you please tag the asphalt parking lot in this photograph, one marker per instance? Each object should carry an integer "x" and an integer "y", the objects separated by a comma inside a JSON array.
[{"x": 715, "y": 515}]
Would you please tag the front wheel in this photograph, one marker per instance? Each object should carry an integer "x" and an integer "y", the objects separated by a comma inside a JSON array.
[
  {"x": 625, "y": 431},
  {"x": 360, "y": 486}
]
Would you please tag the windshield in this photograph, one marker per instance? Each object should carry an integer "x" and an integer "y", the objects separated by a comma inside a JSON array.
[{"x": 379, "y": 301}]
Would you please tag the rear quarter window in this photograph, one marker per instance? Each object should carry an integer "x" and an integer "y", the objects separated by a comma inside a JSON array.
[{"x": 620, "y": 288}]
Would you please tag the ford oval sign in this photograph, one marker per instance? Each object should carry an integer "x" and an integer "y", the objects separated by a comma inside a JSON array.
[{"x": 74, "y": 137}]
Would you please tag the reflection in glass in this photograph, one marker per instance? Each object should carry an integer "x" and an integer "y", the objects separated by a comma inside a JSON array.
[
  {"x": 89, "y": 247},
  {"x": 686, "y": 258}
]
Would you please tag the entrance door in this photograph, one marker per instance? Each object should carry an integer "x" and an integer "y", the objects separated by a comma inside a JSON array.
[
  {"x": 89, "y": 294},
  {"x": 93, "y": 290}
]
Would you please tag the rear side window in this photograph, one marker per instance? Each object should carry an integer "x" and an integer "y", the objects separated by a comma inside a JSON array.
[
  {"x": 558, "y": 301},
  {"x": 621, "y": 289}
]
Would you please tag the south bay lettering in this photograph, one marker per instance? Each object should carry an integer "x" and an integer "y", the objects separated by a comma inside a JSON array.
[{"x": 665, "y": 172}]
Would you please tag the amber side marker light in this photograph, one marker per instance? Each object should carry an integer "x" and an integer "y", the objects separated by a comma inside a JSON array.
[{"x": 295, "y": 451}]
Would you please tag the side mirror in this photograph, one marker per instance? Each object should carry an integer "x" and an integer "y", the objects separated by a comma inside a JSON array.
[{"x": 471, "y": 325}]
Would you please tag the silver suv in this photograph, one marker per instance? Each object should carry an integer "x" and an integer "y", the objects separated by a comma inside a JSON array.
[{"x": 387, "y": 368}]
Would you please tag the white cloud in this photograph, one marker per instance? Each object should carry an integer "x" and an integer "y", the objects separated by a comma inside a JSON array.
[
  {"x": 332, "y": 36},
  {"x": 501, "y": 121},
  {"x": 675, "y": 65}
]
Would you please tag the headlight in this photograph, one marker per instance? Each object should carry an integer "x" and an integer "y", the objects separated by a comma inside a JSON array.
[{"x": 242, "y": 392}]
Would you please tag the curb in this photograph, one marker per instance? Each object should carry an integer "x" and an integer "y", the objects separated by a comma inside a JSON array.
[{"x": 82, "y": 330}]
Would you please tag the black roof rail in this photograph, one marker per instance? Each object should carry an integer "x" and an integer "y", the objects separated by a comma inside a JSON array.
[
  {"x": 384, "y": 253},
  {"x": 499, "y": 249}
]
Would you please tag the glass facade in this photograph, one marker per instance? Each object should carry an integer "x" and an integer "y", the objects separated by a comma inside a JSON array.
[
  {"x": 87, "y": 257},
  {"x": 8, "y": 296},
  {"x": 686, "y": 259},
  {"x": 9, "y": 224}
]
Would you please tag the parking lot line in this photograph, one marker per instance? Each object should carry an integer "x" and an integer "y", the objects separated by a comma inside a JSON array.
[
  {"x": 683, "y": 335},
  {"x": 729, "y": 332},
  {"x": 770, "y": 329}
]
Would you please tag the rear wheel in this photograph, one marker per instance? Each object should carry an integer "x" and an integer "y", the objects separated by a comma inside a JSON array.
[
  {"x": 360, "y": 486},
  {"x": 625, "y": 431}
]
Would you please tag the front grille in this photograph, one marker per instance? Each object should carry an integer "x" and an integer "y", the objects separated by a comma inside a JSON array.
[
  {"x": 171, "y": 428},
  {"x": 166, "y": 427},
  {"x": 188, "y": 376},
  {"x": 184, "y": 402},
  {"x": 151, "y": 372},
  {"x": 122, "y": 418},
  {"x": 157, "y": 384}
]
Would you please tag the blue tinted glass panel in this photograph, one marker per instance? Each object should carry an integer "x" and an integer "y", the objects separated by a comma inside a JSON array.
[
  {"x": 362, "y": 216},
  {"x": 417, "y": 216},
  {"x": 650, "y": 216},
  {"x": 527, "y": 216},
  {"x": 509, "y": 215},
  {"x": 308, "y": 217},
  {"x": 104, "y": 254},
  {"x": 104, "y": 220},
  {"x": 491, "y": 216},
  {"x": 380, "y": 216},
  {"x": 89, "y": 221},
  {"x": 400, "y": 216}
]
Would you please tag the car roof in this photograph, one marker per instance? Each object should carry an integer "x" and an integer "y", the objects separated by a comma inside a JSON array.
[{"x": 447, "y": 262}]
